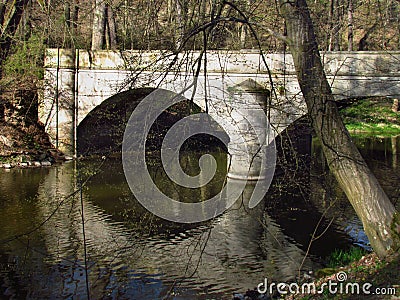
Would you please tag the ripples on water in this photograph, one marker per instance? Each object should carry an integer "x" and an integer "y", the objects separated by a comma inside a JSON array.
[{"x": 134, "y": 255}]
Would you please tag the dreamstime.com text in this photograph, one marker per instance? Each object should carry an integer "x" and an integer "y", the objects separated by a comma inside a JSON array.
[{"x": 338, "y": 286}]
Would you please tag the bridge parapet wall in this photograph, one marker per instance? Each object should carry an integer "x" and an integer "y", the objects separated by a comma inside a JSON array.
[{"x": 336, "y": 63}]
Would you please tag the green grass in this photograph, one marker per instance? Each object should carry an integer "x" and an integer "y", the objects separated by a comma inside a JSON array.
[
  {"x": 341, "y": 257},
  {"x": 380, "y": 128},
  {"x": 373, "y": 115}
]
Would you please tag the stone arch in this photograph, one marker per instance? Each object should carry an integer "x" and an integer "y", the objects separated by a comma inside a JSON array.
[{"x": 101, "y": 130}]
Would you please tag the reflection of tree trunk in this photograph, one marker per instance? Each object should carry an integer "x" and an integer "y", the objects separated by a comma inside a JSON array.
[
  {"x": 362, "y": 189},
  {"x": 394, "y": 150}
]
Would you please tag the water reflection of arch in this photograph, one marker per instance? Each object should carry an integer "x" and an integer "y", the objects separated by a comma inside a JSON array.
[{"x": 121, "y": 256}]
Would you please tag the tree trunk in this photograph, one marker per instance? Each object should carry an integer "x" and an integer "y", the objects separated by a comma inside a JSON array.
[
  {"x": 350, "y": 26},
  {"x": 181, "y": 15},
  {"x": 284, "y": 44},
  {"x": 243, "y": 29},
  {"x": 75, "y": 15},
  {"x": 378, "y": 215},
  {"x": 363, "y": 44},
  {"x": 67, "y": 14},
  {"x": 334, "y": 42},
  {"x": 99, "y": 25},
  {"x": 111, "y": 32},
  {"x": 2, "y": 12},
  {"x": 68, "y": 22},
  {"x": 331, "y": 24},
  {"x": 398, "y": 31}
]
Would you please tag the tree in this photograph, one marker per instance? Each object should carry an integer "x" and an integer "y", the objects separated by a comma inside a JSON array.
[
  {"x": 380, "y": 220},
  {"x": 10, "y": 17},
  {"x": 9, "y": 24},
  {"x": 111, "y": 29},
  {"x": 104, "y": 32},
  {"x": 334, "y": 26},
  {"x": 350, "y": 25},
  {"x": 71, "y": 19},
  {"x": 99, "y": 25}
]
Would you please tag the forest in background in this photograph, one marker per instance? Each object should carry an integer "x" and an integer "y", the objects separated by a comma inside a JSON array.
[{"x": 30, "y": 26}]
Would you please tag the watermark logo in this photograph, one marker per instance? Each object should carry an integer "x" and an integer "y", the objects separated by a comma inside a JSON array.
[
  {"x": 333, "y": 287},
  {"x": 250, "y": 142},
  {"x": 341, "y": 276}
]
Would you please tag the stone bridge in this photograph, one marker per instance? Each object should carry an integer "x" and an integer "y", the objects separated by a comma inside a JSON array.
[{"x": 78, "y": 81}]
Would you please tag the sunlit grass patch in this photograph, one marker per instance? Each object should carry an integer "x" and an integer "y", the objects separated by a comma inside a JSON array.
[
  {"x": 373, "y": 115},
  {"x": 344, "y": 257}
]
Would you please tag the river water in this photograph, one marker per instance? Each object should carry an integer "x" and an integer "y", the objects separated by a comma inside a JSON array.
[{"x": 131, "y": 254}]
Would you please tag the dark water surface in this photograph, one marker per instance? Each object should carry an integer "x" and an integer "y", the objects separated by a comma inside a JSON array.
[{"x": 131, "y": 254}]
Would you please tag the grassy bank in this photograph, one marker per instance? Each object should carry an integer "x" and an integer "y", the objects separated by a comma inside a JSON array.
[
  {"x": 382, "y": 275},
  {"x": 372, "y": 116}
]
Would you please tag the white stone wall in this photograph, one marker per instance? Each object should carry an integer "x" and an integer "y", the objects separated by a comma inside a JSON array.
[{"x": 88, "y": 78}]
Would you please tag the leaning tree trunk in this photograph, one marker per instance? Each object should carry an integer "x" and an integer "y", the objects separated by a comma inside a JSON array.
[{"x": 378, "y": 215}]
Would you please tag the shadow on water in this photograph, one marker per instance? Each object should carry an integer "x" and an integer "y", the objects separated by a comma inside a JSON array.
[{"x": 134, "y": 255}]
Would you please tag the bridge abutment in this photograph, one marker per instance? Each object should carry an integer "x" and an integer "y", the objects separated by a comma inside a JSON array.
[{"x": 58, "y": 110}]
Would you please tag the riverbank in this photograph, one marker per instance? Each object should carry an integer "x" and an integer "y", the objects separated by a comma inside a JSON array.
[
  {"x": 373, "y": 116},
  {"x": 380, "y": 279},
  {"x": 26, "y": 147},
  {"x": 366, "y": 278}
]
